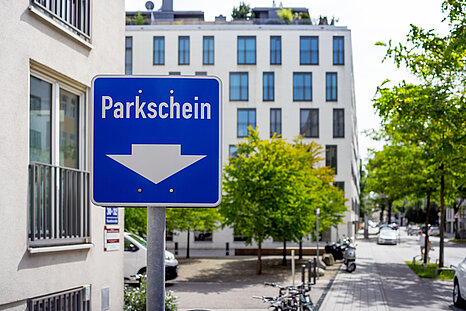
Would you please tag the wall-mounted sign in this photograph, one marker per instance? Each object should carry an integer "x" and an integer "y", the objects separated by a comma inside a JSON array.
[{"x": 111, "y": 238}]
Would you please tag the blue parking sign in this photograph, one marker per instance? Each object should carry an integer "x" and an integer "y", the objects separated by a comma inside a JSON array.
[
  {"x": 111, "y": 215},
  {"x": 156, "y": 141}
]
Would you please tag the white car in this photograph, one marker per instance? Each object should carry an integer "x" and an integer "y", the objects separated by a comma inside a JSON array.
[
  {"x": 387, "y": 236},
  {"x": 459, "y": 285},
  {"x": 135, "y": 258}
]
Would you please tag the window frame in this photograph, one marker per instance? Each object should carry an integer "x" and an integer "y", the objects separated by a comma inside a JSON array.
[
  {"x": 303, "y": 49},
  {"x": 273, "y": 120},
  {"x": 312, "y": 112},
  {"x": 249, "y": 110},
  {"x": 209, "y": 53},
  {"x": 338, "y": 54},
  {"x": 269, "y": 88},
  {"x": 160, "y": 52},
  {"x": 57, "y": 84},
  {"x": 328, "y": 162},
  {"x": 240, "y": 74},
  {"x": 331, "y": 87},
  {"x": 304, "y": 98},
  {"x": 243, "y": 52},
  {"x": 338, "y": 129},
  {"x": 184, "y": 54},
  {"x": 276, "y": 53},
  {"x": 130, "y": 50}
]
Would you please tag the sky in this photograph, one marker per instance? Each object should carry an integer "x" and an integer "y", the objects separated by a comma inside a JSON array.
[{"x": 370, "y": 21}]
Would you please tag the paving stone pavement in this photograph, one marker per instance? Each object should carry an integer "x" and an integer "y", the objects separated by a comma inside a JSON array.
[{"x": 361, "y": 290}]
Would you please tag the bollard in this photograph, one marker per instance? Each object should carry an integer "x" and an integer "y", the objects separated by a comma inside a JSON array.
[
  {"x": 303, "y": 275},
  {"x": 292, "y": 265},
  {"x": 315, "y": 269},
  {"x": 227, "y": 249},
  {"x": 176, "y": 248},
  {"x": 309, "y": 272}
]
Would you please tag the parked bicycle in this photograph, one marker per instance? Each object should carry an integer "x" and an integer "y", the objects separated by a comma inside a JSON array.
[{"x": 291, "y": 298}]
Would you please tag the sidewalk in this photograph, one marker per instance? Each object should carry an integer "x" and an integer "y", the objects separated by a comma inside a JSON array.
[{"x": 360, "y": 290}]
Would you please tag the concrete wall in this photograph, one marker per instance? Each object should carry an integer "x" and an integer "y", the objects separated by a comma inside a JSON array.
[
  {"x": 29, "y": 42},
  {"x": 226, "y": 61}
]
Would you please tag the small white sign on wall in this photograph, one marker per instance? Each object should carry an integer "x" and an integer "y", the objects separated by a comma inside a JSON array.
[{"x": 111, "y": 238}]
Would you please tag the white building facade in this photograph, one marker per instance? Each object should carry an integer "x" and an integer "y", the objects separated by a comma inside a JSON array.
[
  {"x": 284, "y": 79},
  {"x": 53, "y": 255}
]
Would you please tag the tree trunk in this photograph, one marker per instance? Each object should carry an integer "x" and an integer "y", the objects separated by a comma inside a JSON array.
[
  {"x": 457, "y": 232},
  {"x": 187, "y": 246},
  {"x": 301, "y": 249},
  {"x": 442, "y": 214},
  {"x": 426, "y": 240},
  {"x": 381, "y": 213},
  {"x": 284, "y": 254},
  {"x": 389, "y": 212},
  {"x": 259, "y": 258}
]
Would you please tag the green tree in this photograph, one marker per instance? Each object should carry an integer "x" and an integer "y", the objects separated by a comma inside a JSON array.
[
  {"x": 242, "y": 12},
  {"x": 272, "y": 189},
  {"x": 431, "y": 114},
  {"x": 286, "y": 15},
  {"x": 136, "y": 220},
  {"x": 189, "y": 219}
]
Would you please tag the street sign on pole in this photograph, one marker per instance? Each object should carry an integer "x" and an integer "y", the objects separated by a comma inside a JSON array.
[{"x": 156, "y": 141}]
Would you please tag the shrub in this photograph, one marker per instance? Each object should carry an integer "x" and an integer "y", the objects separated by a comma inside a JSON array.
[{"x": 135, "y": 298}]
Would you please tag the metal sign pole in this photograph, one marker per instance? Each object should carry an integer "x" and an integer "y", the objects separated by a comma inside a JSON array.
[
  {"x": 317, "y": 238},
  {"x": 155, "y": 292}
]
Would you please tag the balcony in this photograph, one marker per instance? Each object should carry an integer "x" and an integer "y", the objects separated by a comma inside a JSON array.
[
  {"x": 74, "y": 15},
  {"x": 58, "y": 205}
]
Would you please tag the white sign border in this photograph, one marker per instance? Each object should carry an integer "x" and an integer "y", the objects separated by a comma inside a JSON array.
[{"x": 153, "y": 204}]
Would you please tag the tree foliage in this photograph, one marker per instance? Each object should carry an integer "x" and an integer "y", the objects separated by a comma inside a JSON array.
[
  {"x": 243, "y": 11},
  {"x": 431, "y": 115},
  {"x": 272, "y": 190}
]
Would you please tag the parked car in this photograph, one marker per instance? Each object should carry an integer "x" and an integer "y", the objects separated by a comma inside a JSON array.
[
  {"x": 387, "y": 237},
  {"x": 434, "y": 231},
  {"x": 372, "y": 224},
  {"x": 413, "y": 230},
  {"x": 385, "y": 227},
  {"x": 135, "y": 258},
  {"x": 459, "y": 285}
]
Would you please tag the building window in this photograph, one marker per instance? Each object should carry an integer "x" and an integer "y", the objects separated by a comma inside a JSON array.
[
  {"x": 338, "y": 50},
  {"x": 159, "y": 50},
  {"x": 268, "y": 86},
  {"x": 331, "y": 156},
  {"x": 129, "y": 55},
  {"x": 331, "y": 89},
  {"x": 246, "y": 118},
  {"x": 208, "y": 50},
  {"x": 309, "y": 123},
  {"x": 302, "y": 86},
  {"x": 275, "y": 50},
  {"x": 338, "y": 123},
  {"x": 275, "y": 121},
  {"x": 233, "y": 151},
  {"x": 340, "y": 185},
  {"x": 203, "y": 236},
  {"x": 174, "y": 73},
  {"x": 239, "y": 86},
  {"x": 183, "y": 50},
  {"x": 309, "y": 50},
  {"x": 246, "y": 50},
  {"x": 56, "y": 162},
  {"x": 201, "y": 73}
]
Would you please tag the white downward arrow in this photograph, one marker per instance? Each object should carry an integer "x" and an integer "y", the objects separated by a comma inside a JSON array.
[{"x": 156, "y": 162}]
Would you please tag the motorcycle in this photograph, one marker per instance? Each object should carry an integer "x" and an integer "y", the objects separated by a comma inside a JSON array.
[
  {"x": 350, "y": 258},
  {"x": 337, "y": 249}
]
